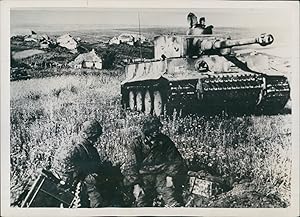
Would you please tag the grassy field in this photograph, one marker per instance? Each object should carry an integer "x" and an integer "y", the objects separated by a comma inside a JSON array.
[{"x": 46, "y": 113}]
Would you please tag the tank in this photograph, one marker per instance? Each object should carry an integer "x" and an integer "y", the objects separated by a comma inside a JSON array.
[{"x": 202, "y": 73}]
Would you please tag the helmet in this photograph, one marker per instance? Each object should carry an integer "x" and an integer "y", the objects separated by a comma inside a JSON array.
[
  {"x": 151, "y": 124},
  {"x": 91, "y": 128}
]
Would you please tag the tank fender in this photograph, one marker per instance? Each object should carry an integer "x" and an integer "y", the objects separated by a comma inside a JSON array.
[{"x": 258, "y": 62}]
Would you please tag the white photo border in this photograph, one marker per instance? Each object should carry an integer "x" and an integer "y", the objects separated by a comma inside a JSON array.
[{"x": 6, "y": 210}]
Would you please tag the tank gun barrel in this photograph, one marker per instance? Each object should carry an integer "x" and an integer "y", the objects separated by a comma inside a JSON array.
[
  {"x": 263, "y": 40},
  {"x": 194, "y": 45}
]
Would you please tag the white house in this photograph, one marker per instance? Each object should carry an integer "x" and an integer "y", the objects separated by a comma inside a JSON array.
[
  {"x": 44, "y": 44},
  {"x": 114, "y": 40},
  {"x": 87, "y": 60},
  {"x": 67, "y": 41},
  {"x": 127, "y": 38},
  {"x": 32, "y": 37}
]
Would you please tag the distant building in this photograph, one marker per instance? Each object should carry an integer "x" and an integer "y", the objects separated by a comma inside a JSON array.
[
  {"x": 46, "y": 41},
  {"x": 138, "y": 37},
  {"x": 67, "y": 41},
  {"x": 87, "y": 60},
  {"x": 114, "y": 40},
  {"x": 44, "y": 44},
  {"x": 44, "y": 37},
  {"x": 32, "y": 37},
  {"x": 127, "y": 38}
]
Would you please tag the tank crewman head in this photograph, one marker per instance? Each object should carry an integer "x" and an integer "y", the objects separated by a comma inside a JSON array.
[
  {"x": 151, "y": 127},
  {"x": 202, "y": 22},
  {"x": 192, "y": 20}
]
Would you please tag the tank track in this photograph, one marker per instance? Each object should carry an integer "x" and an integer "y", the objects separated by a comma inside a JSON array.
[{"x": 276, "y": 94}]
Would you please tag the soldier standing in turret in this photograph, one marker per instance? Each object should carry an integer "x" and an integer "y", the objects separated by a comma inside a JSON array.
[
  {"x": 79, "y": 162},
  {"x": 155, "y": 167},
  {"x": 201, "y": 23},
  {"x": 196, "y": 28}
]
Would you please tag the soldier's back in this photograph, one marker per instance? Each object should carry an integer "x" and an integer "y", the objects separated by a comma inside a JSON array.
[{"x": 64, "y": 158}]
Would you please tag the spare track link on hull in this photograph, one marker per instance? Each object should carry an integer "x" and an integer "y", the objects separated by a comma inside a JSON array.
[
  {"x": 239, "y": 89},
  {"x": 222, "y": 83}
]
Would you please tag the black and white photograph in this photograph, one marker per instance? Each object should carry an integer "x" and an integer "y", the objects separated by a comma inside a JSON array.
[{"x": 151, "y": 107}]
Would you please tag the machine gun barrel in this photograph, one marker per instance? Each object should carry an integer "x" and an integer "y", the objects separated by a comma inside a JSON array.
[{"x": 263, "y": 40}]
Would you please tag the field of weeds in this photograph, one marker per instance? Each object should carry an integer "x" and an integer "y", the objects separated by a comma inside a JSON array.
[{"x": 253, "y": 152}]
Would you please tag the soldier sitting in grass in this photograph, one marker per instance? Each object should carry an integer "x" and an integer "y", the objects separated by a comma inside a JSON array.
[
  {"x": 155, "y": 167},
  {"x": 79, "y": 161}
]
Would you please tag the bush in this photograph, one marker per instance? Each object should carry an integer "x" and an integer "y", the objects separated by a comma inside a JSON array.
[{"x": 109, "y": 58}]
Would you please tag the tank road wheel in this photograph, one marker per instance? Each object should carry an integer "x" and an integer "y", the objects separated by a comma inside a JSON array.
[
  {"x": 157, "y": 103},
  {"x": 139, "y": 101},
  {"x": 148, "y": 102},
  {"x": 131, "y": 100}
]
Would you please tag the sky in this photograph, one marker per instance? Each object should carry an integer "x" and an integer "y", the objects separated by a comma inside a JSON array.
[{"x": 227, "y": 17}]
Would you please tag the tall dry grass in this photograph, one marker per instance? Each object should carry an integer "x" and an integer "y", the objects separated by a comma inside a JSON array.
[{"x": 46, "y": 113}]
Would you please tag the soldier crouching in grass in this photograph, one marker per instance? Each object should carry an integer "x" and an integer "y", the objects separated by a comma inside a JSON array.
[
  {"x": 155, "y": 167},
  {"x": 77, "y": 164}
]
